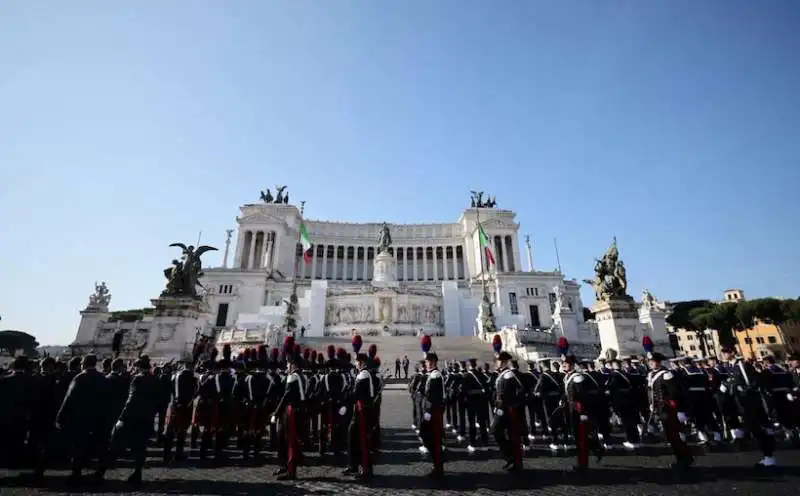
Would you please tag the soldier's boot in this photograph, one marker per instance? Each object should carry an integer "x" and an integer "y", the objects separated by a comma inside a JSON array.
[
  {"x": 258, "y": 444},
  {"x": 180, "y": 442},
  {"x": 168, "y": 448},
  {"x": 205, "y": 445},
  {"x": 246, "y": 444},
  {"x": 194, "y": 435}
]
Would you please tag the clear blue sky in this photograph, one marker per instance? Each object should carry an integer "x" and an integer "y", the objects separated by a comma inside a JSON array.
[{"x": 672, "y": 124}]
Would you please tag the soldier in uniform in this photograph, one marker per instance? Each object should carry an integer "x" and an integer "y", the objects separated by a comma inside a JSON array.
[
  {"x": 745, "y": 386},
  {"x": 331, "y": 389},
  {"x": 666, "y": 404},
  {"x": 135, "y": 424},
  {"x": 179, "y": 414},
  {"x": 549, "y": 390},
  {"x": 226, "y": 407},
  {"x": 256, "y": 398},
  {"x": 778, "y": 385},
  {"x": 433, "y": 394},
  {"x": 698, "y": 392},
  {"x": 586, "y": 403},
  {"x": 82, "y": 415},
  {"x": 360, "y": 430},
  {"x": 509, "y": 400},
  {"x": 414, "y": 391},
  {"x": 620, "y": 390},
  {"x": 474, "y": 387},
  {"x": 205, "y": 409},
  {"x": 290, "y": 412}
]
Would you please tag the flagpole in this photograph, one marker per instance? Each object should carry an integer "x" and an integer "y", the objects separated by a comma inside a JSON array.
[
  {"x": 481, "y": 252},
  {"x": 558, "y": 259},
  {"x": 293, "y": 298}
]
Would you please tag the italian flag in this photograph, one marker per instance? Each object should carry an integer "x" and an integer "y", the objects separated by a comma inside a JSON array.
[
  {"x": 305, "y": 242},
  {"x": 485, "y": 244}
]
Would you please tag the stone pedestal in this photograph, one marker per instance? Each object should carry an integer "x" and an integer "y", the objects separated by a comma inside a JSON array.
[
  {"x": 619, "y": 327},
  {"x": 654, "y": 324},
  {"x": 92, "y": 319},
  {"x": 451, "y": 308},
  {"x": 566, "y": 321},
  {"x": 176, "y": 321},
  {"x": 384, "y": 274},
  {"x": 317, "y": 297}
]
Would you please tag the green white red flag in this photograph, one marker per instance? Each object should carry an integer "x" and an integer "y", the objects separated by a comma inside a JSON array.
[
  {"x": 305, "y": 242},
  {"x": 485, "y": 244}
]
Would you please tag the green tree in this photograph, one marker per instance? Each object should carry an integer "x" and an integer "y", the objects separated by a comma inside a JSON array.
[
  {"x": 773, "y": 311},
  {"x": 12, "y": 341}
]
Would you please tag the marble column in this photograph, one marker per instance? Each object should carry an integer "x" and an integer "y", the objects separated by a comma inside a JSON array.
[{"x": 252, "y": 257}]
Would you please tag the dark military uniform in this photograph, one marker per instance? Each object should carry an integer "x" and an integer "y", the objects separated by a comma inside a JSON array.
[
  {"x": 666, "y": 404},
  {"x": 360, "y": 432},
  {"x": 474, "y": 388},
  {"x": 290, "y": 414},
  {"x": 82, "y": 415},
  {"x": 433, "y": 395},
  {"x": 179, "y": 414},
  {"x": 509, "y": 403}
]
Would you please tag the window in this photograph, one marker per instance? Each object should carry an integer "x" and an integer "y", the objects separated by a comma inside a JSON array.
[
  {"x": 512, "y": 303},
  {"x": 748, "y": 340},
  {"x": 226, "y": 289},
  {"x": 535, "y": 320},
  {"x": 552, "y": 298},
  {"x": 690, "y": 337},
  {"x": 692, "y": 347},
  {"x": 760, "y": 340},
  {"x": 772, "y": 340},
  {"x": 222, "y": 315}
]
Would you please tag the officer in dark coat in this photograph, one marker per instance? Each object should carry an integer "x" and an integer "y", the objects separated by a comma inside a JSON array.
[
  {"x": 47, "y": 402},
  {"x": 621, "y": 392},
  {"x": 134, "y": 427},
  {"x": 82, "y": 416},
  {"x": 331, "y": 390},
  {"x": 18, "y": 392}
]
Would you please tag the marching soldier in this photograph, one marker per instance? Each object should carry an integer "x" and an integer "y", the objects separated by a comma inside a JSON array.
[
  {"x": 360, "y": 430},
  {"x": 620, "y": 390},
  {"x": 226, "y": 406},
  {"x": 778, "y": 385},
  {"x": 585, "y": 402},
  {"x": 698, "y": 388},
  {"x": 548, "y": 390},
  {"x": 433, "y": 394},
  {"x": 666, "y": 405},
  {"x": 509, "y": 398},
  {"x": 290, "y": 413},
  {"x": 179, "y": 413},
  {"x": 17, "y": 391},
  {"x": 744, "y": 385},
  {"x": 474, "y": 388},
  {"x": 331, "y": 392},
  {"x": 256, "y": 392},
  {"x": 204, "y": 417}
]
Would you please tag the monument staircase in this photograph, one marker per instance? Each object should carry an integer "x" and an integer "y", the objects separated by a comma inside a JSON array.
[{"x": 393, "y": 347}]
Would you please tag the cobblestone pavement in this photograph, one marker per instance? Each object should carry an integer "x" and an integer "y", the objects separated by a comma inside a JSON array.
[{"x": 401, "y": 470}]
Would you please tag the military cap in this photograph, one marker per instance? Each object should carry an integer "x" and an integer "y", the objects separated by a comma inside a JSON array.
[
  {"x": 431, "y": 357},
  {"x": 362, "y": 357},
  {"x": 503, "y": 356},
  {"x": 657, "y": 357},
  {"x": 728, "y": 349},
  {"x": 473, "y": 362},
  {"x": 143, "y": 362},
  {"x": 90, "y": 361},
  {"x": 20, "y": 362},
  {"x": 794, "y": 356}
]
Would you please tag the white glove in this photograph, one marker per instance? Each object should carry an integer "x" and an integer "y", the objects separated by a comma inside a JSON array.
[
  {"x": 342, "y": 411},
  {"x": 683, "y": 418},
  {"x": 790, "y": 396},
  {"x": 584, "y": 418},
  {"x": 118, "y": 425},
  {"x": 426, "y": 416},
  {"x": 537, "y": 394},
  {"x": 273, "y": 420},
  {"x": 723, "y": 389},
  {"x": 740, "y": 389},
  {"x": 498, "y": 412}
]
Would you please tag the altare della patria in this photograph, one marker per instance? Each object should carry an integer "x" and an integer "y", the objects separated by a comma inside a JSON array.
[{"x": 326, "y": 279}]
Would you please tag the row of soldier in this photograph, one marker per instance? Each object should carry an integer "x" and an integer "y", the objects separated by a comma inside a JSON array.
[
  {"x": 294, "y": 399},
  {"x": 559, "y": 401}
]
